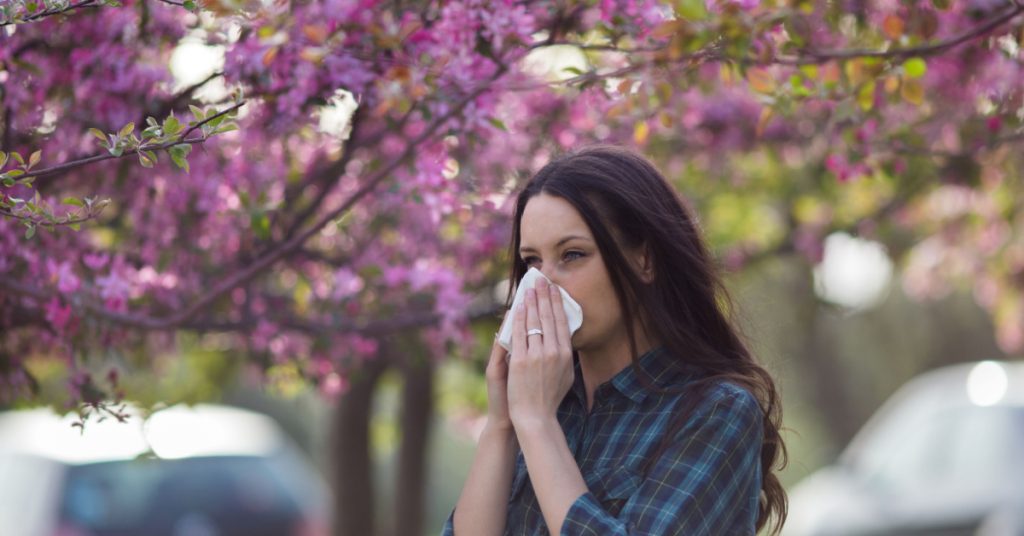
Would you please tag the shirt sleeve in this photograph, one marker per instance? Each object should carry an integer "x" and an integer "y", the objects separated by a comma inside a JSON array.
[
  {"x": 449, "y": 526},
  {"x": 707, "y": 482}
]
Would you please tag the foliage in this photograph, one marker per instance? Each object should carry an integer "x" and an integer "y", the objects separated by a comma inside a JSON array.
[{"x": 300, "y": 243}]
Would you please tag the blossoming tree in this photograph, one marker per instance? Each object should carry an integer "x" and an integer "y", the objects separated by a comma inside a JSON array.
[{"x": 135, "y": 207}]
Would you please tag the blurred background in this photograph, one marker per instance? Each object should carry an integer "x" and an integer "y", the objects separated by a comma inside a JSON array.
[{"x": 269, "y": 237}]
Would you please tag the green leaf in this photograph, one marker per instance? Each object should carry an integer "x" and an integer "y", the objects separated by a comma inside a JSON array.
[
  {"x": 179, "y": 153},
  {"x": 573, "y": 70},
  {"x": 17, "y": 158},
  {"x": 197, "y": 112},
  {"x": 75, "y": 226},
  {"x": 31, "y": 7},
  {"x": 260, "y": 225},
  {"x": 116, "y": 151},
  {"x": 15, "y": 173},
  {"x": 151, "y": 132},
  {"x": 498, "y": 123},
  {"x": 171, "y": 125},
  {"x": 8, "y": 182},
  {"x": 189, "y": 5},
  {"x": 99, "y": 134},
  {"x": 30, "y": 232},
  {"x": 34, "y": 158},
  {"x": 217, "y": 120},
  {"x": 226, "y": 128},
  {"x": 3, "y": 159},
  {"x": 73, "y": 201},
  {"x": 691, "y": 9},
  {"x": 866, "y": 96},
  {"x": 145, "y": 160},
  {"x": 915, "y": 67},
  {"x": 151, "y": 121},
  {"x": 126, "y": 130}
]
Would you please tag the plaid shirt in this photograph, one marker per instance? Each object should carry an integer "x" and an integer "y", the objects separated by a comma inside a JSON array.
[{"x": 708, "y": 481}]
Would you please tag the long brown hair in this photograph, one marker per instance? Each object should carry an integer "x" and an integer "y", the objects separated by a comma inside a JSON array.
[{"x": 627, "y": 203}]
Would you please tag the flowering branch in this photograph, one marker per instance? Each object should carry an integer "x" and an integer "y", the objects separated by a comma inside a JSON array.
[
  {"x": 811, "y": 57},
  {"x": 29, "y": 9},
  {"x": 182, "y": 317},
  {"x": 157, "y": 137}
]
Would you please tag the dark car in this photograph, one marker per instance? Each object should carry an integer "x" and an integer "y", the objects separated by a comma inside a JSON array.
[
  {"x": 943, "y": 457},
  {"x": 185, "y": 471}
]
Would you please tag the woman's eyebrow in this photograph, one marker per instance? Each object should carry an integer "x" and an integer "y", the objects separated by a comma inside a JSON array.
[{"x": 559, "y": 243}]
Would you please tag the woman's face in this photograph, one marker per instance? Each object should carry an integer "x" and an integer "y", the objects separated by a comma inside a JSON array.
[{"x": 555, "y": 240}]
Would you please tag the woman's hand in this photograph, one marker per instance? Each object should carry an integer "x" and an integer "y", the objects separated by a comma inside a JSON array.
[
  {"x": 540, "y": 371},
  {"x": 497, "y": 388}
]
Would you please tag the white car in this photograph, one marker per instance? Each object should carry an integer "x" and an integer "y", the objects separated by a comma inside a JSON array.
[
  {"x": 205, "y": 470},
  {"x": 943, "y": 456}
]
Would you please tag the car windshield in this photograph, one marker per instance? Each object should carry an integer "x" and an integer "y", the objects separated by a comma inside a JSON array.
[
  {"x": 967, "y": 448},
  {"x": 208, "y": 496}
]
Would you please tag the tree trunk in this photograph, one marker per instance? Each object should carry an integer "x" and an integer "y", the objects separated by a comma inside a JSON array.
[
  {"x": 417, "y": 412},
  {"x": 353, "y": 464},
  {"x": 827, "y": 389}
]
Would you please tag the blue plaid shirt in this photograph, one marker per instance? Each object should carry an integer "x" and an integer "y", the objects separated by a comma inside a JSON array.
[{"x": 708, "y": 481}]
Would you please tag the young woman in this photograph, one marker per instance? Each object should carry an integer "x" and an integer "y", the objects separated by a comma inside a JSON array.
[{"x": 653, "y": 418}]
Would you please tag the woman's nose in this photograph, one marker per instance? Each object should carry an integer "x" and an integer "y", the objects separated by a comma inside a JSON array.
[{"x": 551, "y": 279}]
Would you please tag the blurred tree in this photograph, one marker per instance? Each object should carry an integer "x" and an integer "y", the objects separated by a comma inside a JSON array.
[{"x": 353, "y": 221}]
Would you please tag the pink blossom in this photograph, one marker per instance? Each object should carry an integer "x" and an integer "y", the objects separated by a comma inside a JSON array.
[
  {"x": 64, "y": 275},
  {"x": 59, "y": 316}
]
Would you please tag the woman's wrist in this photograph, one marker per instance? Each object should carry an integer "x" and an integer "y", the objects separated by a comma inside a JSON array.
[
  {"x": 534, "y": 423},
  {"x": 499, "y": 426}
]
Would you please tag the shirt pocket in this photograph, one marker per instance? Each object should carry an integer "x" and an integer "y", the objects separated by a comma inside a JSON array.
[{"x": 614, "y": 486}]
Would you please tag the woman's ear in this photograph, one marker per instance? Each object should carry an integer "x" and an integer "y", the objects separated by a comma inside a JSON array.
[{"x": 644, "y": 264}]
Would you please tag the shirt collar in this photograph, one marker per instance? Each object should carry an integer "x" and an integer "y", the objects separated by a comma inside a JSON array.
[{"x": 658, "y": 366}]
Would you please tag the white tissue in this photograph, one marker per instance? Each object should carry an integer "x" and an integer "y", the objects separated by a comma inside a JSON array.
[{"x": 573, "y": 311}]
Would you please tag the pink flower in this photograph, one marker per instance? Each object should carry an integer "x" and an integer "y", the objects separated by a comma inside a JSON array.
[
  {"x": 346, "y": 284},
  {"x": 59, "y": 316},
  {"x": 63, "y": 273},
  {"x": 95, "y": 261}
]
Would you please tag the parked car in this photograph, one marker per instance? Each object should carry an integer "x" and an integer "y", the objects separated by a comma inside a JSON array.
[
  {"x": 944, "y": 456},
  {"x": 205, "y": 470}
]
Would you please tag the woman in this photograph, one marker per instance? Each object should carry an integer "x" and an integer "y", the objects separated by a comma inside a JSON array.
[{"x": 653, "y": 418}]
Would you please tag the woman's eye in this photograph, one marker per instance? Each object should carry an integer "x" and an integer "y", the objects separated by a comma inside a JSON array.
[
  {"x": 529, "y": 260},
  {"x": 568, "y": 253}
]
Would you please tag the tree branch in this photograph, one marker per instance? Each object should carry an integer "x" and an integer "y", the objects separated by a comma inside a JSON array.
[
  {"x": 370, "y": 327},
  {"x": 183, "y": 316},
  {"x": 805, "y": 57},
  {"x": 812, "y": 57},
  {"x": 101, "y": 157},
  {"x": 50, "y": 12}
]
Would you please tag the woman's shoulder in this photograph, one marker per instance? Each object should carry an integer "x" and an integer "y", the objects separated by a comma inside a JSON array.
[{"x": 729, "y": 402}]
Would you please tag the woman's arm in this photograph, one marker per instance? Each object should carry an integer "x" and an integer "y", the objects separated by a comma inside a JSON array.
[
  {"x": 483, "y": 505},
  {"x": 540, "y": 375},
  {"x": 556, "y": 478}
]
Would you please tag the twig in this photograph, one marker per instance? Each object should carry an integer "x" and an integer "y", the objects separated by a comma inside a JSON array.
[
  {"x": 101, "y": 157},
  {"x": 50, "y": 12},
  {"x": 811, "y": 57}
]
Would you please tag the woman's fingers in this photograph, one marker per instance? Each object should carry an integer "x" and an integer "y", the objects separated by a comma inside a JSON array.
[
  {"x": 547, "y": 318},
  {"x": 561, "y": 322},
  {"x": 519, "y": 330}
]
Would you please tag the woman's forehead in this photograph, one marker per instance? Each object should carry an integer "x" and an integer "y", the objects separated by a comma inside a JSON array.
[{"x": 548, "y": 219}]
